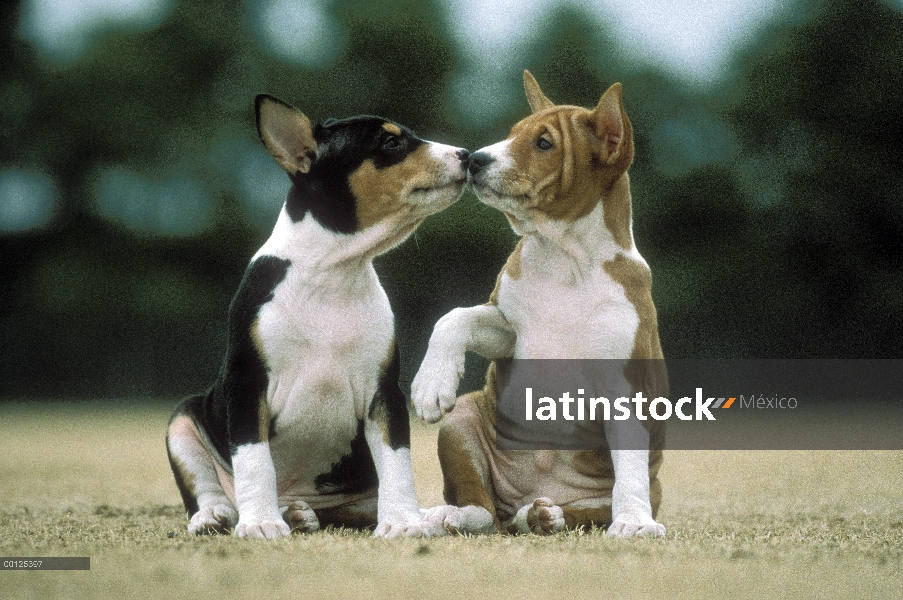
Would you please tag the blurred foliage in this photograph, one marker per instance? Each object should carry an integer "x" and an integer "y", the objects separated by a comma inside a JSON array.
[{"x": 769, "y": 206}]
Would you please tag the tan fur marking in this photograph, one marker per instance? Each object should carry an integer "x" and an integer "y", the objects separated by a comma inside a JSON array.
[
  {"x": 535, "y": 97},
  {"x": 585, "y": 517},
  {"x": 382, "y": 192},
  {"x": 617, "y": 212},
  {"x": 263, "y": 418},
  {"x": 512, "y": 267},
  {"x": 646, "y": 370},
  {"x": 458, "y": 458},
  {"x": 263, "y": 409},
  {"x": 392, "y": 128}
]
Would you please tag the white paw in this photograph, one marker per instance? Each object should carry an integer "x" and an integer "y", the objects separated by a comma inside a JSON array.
[
  {"x": 446, "y": 519},
  {"x": 402, "y": 525},
  {"x": 301, "y": 517},
  {"x": 545, "y": 517},
  {"x": 434, "y": 389},
  {"x": 213, "y": 519},
  {"x": 632, "y": 525},
  {"x": 269, "y": 528}
]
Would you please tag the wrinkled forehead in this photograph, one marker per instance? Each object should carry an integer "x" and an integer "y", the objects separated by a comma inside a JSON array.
[{"x": 552, "y": 119}]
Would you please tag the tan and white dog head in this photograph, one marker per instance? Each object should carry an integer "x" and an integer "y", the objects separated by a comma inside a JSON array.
[{"x": 557, "y": 164}]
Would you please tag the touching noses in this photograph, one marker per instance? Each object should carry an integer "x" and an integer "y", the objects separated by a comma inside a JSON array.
[{"x": 477, "y": 161}]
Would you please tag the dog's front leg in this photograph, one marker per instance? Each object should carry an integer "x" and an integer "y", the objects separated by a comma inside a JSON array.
[
  {"x": 397, "y": 512},
  {"x": 255, "y": 493},
  {"x": 482, "y": 329},
  {"x": 630, "y": 506}
]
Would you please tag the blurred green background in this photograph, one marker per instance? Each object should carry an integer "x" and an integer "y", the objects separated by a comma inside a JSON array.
[{"x": 768, "y": 190}]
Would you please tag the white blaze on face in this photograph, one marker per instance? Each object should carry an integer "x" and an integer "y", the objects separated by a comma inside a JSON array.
[
  {"x": 501, "y": 159},
  {"x": 447, "y": 156}
]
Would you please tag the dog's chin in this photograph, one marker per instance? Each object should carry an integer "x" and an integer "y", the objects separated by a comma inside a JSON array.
[
  {"x": 508, "y": 205},
  {"x": 434, "y": 199}
]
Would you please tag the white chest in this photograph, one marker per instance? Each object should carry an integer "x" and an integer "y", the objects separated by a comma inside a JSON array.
[
  {"x": 558, "y": 312},
  {"x": 324, "y": 348}
]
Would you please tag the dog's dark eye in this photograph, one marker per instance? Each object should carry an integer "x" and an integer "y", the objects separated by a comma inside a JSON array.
[
  {"x": 543, "y": 144},
  {"x": 391, "y": 142}
]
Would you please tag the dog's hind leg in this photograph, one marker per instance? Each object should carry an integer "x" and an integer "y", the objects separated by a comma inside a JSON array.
[
  {"x": 205, "y": 484},
  {"x": 466, "y": 474}
]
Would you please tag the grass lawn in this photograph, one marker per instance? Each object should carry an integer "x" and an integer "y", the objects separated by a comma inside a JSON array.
[{"x": 92, "y": 479}]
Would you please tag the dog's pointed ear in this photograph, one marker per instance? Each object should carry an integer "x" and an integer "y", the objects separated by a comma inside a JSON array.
[
  {"x": 607, "y": 121},
  {"x": 286, "y": 132},
  {"x": 535, "y": 97}
]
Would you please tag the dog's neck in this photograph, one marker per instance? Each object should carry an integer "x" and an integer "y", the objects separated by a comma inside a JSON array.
[
  {"x": 588, "y": 241},
  {"x": 323, "y": 254}
]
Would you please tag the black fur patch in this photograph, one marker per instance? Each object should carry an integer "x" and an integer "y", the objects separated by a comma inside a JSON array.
[
  {"x": 229, "y": 412},
  {"x": 391, "y": 407},
  {"x": 342, "y": 147},
  {"x": 355, "y": 472}
]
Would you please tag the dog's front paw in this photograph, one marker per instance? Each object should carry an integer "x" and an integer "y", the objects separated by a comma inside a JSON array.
[
  {"x": 632, "y": 525},
  {"x": 301, "y": 517},
  {"x": 435, "y": 387},
  {"x": 402, "y": 525},
  {"x": 446, "y": 519},
  {"x": 268, "y": 528},
  {"x": 213, "y": 519}
]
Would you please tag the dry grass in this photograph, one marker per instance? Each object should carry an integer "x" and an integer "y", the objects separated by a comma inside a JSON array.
[{"x": 91, "y": 479}]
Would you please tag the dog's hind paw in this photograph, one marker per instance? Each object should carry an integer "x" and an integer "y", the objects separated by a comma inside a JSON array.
[
  {"x": 213, "y": 519},
  {"x": 627, "y": 526},
  {"x": 545, "y": 517},
  {"x": 301, "y": 517},
  {"x": 446, "y": 519}
]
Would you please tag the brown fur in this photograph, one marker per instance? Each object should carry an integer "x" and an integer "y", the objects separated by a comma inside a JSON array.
[
  {"x": 381, "y": 192},
  {"x": 592, "y": 150}
]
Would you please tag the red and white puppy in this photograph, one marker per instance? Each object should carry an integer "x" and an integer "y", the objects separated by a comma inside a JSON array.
[
  {"x": 575, "y": 287},
  {"x": 306, "y": 425}
]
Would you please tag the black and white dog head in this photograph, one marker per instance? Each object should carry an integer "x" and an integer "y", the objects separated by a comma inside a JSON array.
[{"x": 354, "y": 174}]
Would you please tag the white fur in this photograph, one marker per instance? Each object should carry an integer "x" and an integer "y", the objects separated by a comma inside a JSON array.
[
  {"x": 397, "y": 512},
  {"x": 255, "y": 493}
]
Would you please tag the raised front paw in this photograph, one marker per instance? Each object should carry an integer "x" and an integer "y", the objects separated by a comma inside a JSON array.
[
  {"x": 632, "y": 525},
  {"x": 435, "y": 387},
  {"x": 545, "y": 517},
  {"x": 301, "y": 518},
  {"x": 447, "y": 519},
  {"x": 269, "y": 528},
  {"x": 213, "y": 519}
]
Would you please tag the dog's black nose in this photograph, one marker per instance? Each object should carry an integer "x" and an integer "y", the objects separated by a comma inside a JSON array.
[
  {"x": 477, "y": 161},
  {"x": 462, "y": 155}
]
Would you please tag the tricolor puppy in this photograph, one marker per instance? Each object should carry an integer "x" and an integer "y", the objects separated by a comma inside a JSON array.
[
  {"x": 306, "y": 425},
  {"x": 575, "y": 287}
]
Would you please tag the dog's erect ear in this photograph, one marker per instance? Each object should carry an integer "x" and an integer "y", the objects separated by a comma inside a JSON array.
[
  {"x": 607, "y": 121},
  {"x": 535, "y": 97},
  {"x": 286, "y": 133}
]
